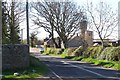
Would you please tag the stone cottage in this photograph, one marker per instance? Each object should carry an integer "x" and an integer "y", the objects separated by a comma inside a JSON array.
[{"x": 86, "y": 37}]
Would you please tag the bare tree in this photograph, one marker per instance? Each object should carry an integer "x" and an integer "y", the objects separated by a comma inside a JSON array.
[
  {"x": 13, "y": 12},
  {"x": 62, "y": 17},
  {"x": 102, "y": 19}
]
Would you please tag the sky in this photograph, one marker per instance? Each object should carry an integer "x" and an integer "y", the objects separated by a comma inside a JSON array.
[{"x": 42, "y": 34}]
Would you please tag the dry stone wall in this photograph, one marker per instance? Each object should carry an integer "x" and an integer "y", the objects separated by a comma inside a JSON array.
[{"x": 15, "y": 56}]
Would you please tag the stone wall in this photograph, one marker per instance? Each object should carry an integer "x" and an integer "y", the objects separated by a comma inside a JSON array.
[{"x": 15, "y": 56}]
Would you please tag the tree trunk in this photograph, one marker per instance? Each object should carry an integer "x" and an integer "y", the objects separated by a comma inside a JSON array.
[
  {"x": 65, "y": 44},
  {"x": 56, "y": 45},
  {"x": 102, "y": 42},
  {"x": 59, "y": 42}
]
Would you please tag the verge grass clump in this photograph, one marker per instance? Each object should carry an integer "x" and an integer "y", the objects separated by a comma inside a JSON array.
[{"x": 77, "y": 58}]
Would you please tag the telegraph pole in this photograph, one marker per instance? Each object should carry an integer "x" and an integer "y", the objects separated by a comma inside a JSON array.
[
  {"x": 27, "y": 21},
  {"x": 0, "y": 39}
]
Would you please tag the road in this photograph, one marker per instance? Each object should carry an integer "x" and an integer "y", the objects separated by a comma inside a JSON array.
[{"x": 65, "y": 69}]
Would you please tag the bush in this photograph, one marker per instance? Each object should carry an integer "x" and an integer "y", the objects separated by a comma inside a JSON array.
[
  {"x": 93, "y": 52},
  {"x": 59, "y": 51},
  {"x": 78, "y": 52},
  {"x": 70, "y": 51},
  {"x": 87, "y": 52},
  {"x": 53, "y": 51},
  {"x": 115, "y": 54},
  {"x": 105, "y": 53},
  {"x": 110, "y": 53}
]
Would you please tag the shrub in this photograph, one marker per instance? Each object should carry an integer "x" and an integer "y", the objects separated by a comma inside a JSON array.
[
  {"x": 65, "y": 53},
  {"x": 104, "y": 53},
  {"x": 115, "y": 54},
  {"x": 99, "y": 50},
  {"x": 110, "y": 53},
  {"x": 87, "y": 52},
  {"x": 70, "y": 51},
  {"x": 59, "y": 51},
  {"x": 53, "y": 51},
  {"x": 78, "y": 51},
  {"x": 93, "y": 52}
]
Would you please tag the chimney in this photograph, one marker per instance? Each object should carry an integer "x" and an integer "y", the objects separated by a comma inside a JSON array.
[{"x": 83, "y": 28}]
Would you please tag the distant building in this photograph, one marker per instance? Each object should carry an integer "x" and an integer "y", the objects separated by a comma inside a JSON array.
[
  {"x": 106, "y": 41},
  {"x": 85, "y": 38},
  {"x": 75, "y": 42},
  {"x": 86, "y": 35}
]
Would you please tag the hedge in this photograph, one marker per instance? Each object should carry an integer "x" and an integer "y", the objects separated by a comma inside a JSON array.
[{"x": 107, "y": 53}]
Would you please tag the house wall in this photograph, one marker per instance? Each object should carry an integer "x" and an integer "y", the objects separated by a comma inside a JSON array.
[
  {"x": 15, "y": 56},
  {"x": 76, "y": 42}
]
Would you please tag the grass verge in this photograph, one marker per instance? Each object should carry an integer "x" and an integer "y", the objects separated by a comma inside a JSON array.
[
  {"x": 104, "y": 63},
  {"x": 36, "y": 69}
]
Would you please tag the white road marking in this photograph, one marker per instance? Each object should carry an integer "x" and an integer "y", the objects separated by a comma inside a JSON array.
[
  {"x": 85, "y": 69},
  {"x": 55, "y": 73}
]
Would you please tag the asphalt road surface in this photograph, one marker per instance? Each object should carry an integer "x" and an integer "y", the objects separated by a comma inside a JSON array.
[{"x": 65, "y": 69}]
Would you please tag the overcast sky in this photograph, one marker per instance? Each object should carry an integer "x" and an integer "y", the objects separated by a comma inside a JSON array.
[{"x": 42, "y": 34}]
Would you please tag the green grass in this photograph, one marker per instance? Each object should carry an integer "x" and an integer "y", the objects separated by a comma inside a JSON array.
[
  {"x": 77, "y": 58},
  {"x": 104, "y": 63},
  {"x": 35, "y": 64},
  {"x": 87, "y": 57}
]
